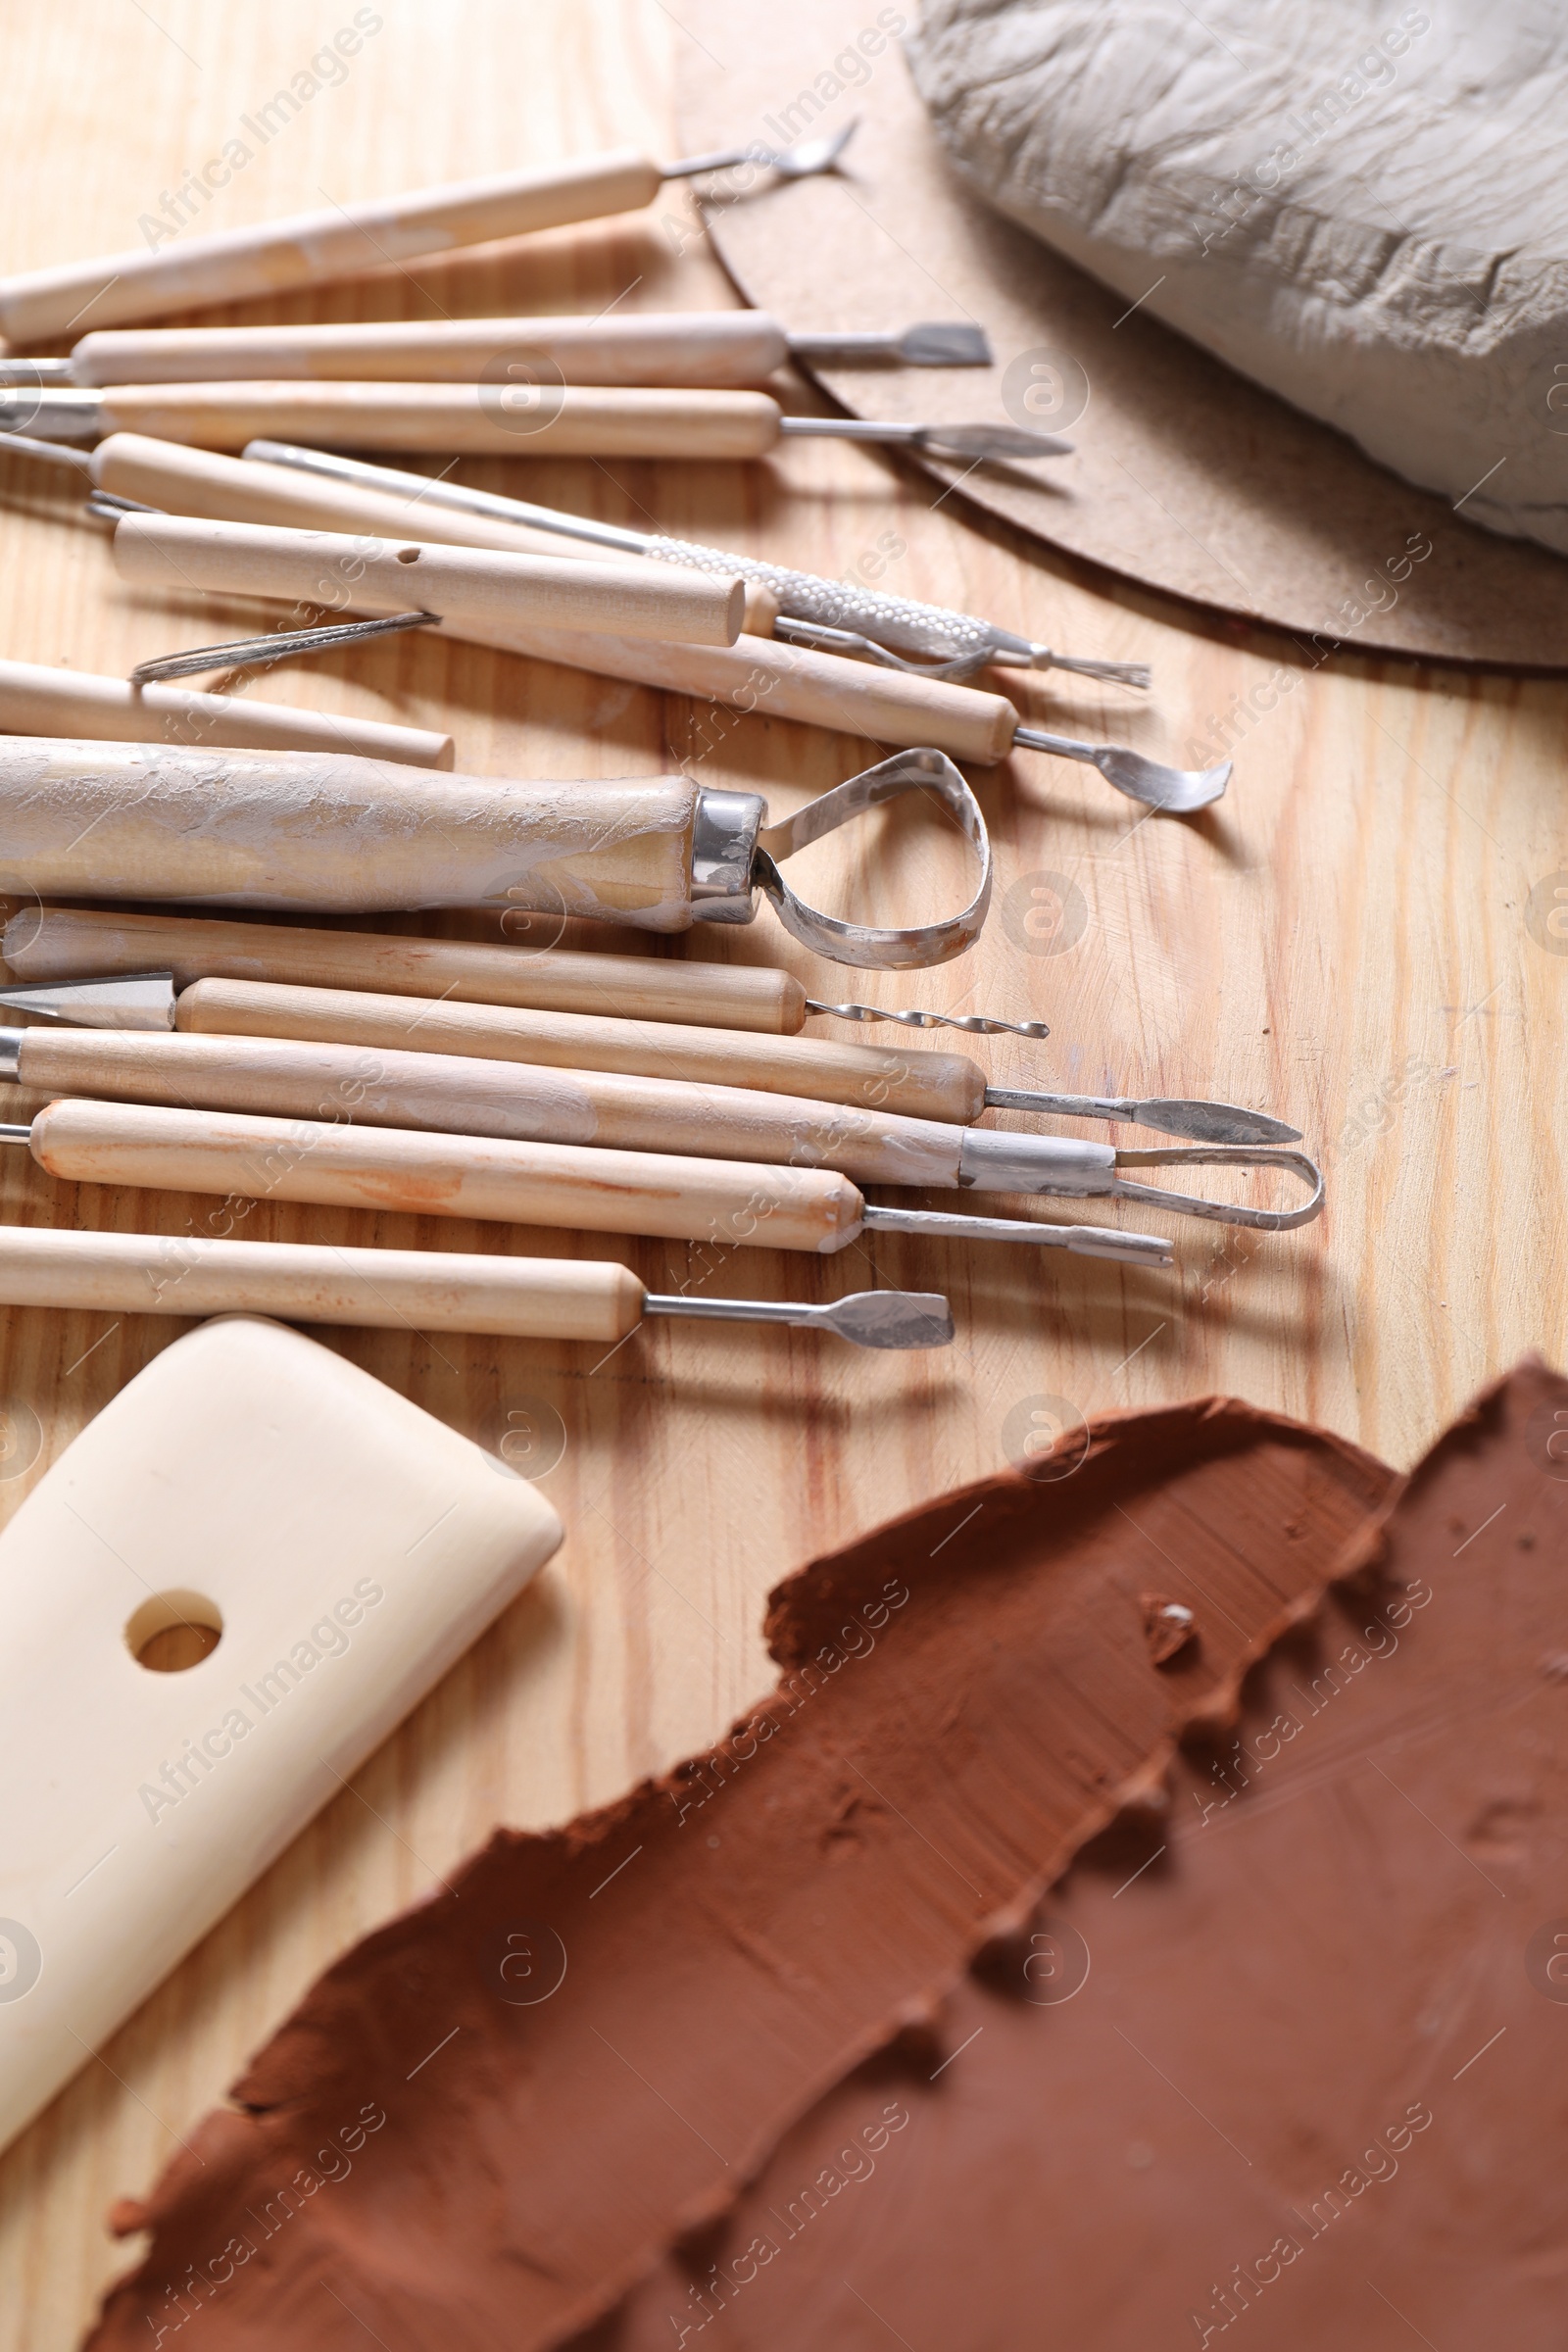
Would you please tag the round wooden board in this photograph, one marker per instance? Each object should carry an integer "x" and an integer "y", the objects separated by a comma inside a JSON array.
[{"x": 1185, "y": 476}]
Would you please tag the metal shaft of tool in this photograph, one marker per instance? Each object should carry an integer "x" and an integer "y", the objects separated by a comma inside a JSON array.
[
  {"x": 1082, "y": 1241},
  {"x": 802, "y": 161},
  {"x": 901, "y": 622}
]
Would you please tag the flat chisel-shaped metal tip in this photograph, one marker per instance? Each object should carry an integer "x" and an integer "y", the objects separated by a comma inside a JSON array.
[{"x": 138, "y": 1001}]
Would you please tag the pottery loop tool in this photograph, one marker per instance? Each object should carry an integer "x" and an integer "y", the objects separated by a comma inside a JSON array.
[
  {"x": 206, "y": 1069},
  {"x": 36, "y": 700},
  {"x": 723, "y": 1024},
  {"x": 238, "y": 559},
  {"x": 640, "y": 347},
  {"x": 394, "y": 1289},
  {"x": 311, "y": 248},
  {"x": 309, "y": 831},
  {"x": 584, "y": 1188},
  {"x": 960, "y": 644},
  {"x": 524, "y": 420}
]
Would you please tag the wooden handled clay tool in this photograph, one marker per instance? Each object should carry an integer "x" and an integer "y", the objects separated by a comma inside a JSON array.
[
  {"x": 469, "y": 1095},
  {"x": 307, "y": 831},
  {"x": 644, "y": 347},
  {"x": 957, "y": 644},
  {"x": 391, "y": 1289},
  {"x": 180, "y": 551},
  {"x": 580, "y": 1186},
  {"x": 310, "y": 248},
  {"x": 506, "y": 420},
  {"x": 472, "y": 590},
  {"x": 36, "y": 700},
  {"x": 570, "y": 1011}
]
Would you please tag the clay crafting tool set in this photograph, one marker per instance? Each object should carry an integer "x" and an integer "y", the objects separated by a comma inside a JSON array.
[{"x": 599, "y": 1093}]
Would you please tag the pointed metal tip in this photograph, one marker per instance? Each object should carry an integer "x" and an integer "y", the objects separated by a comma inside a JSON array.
[
  {"x": 134, "y": 1000},
  {"x": 1215, "y": 1123}
]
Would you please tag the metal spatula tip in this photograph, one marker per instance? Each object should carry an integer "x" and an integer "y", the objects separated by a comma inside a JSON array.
[
  {"x": 890, "y": 1319},
  {"x": 944, "y": 343}
]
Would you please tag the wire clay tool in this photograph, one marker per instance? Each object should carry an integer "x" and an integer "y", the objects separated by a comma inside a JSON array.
[
  {"x": 524, "y": 420},
  {"x": 310, "y": 248},
  {"x": 307, "y": 831},
  {"x": 639, "y": 346},
  {"x": 209, "y": 1066},
  {"x": 725, "y": 1204}
]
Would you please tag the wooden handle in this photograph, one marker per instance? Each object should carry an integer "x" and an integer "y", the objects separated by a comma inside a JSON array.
[
  {"x": 723, "y": 1203},
  {"x": 786, "y": 681},
  {"x": 309, "y": 248},
  {"x": 919, "y": 1083},
  {"x": 60, "y": 943},
  {"x": 466, "y": 585},
  {"x": 519, "y": 420},
  {"x": 305, "y": 830},
  {"x": 36, "y": 700},
  {"x": 155, "y": 1274},
  {"x": 469, "y": 1095},
  {"x": 650, "y": 347}
]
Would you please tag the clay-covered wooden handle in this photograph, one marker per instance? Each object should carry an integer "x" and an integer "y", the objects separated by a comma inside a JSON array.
[
  {"x": 309, "y": 248},
  {"x": 312, "y": 832}
]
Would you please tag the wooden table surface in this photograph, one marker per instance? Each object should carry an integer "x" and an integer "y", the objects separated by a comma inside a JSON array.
[{"x": 1361, "y": 937}]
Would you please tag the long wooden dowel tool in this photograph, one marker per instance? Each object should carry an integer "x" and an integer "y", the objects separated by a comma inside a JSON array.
[
  {"x": 513, "y": 419},
  {"x": 466, "y": 1096},
  {"x": 392, "y": 1290},
  {"x": 711, "y": 348},
  {"x": 470, "y": 589},
  {"x": 565, "y": 1010},
  {"x": 728, "y": 1204},
  {"x": 781, "y": 679},
  {"x": 340, "y": 240},
  {"x": 314, "y": 489},
  {"x": 309, "y": 832},
  {"x": 36, "y": 700}
]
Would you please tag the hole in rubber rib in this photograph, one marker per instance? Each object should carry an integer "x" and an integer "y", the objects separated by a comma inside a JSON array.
[
  {"x": 407, "y": 555},
  {"x": 174, "y": 1631}
]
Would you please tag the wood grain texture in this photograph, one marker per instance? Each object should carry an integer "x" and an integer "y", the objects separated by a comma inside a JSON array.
[{"x": 1364, "y": 936}]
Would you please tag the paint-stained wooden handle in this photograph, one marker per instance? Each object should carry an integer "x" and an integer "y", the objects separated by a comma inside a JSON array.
[
  {"x": 463, "y": 584},
  {"x": 204, "y": 482},
  {"x": 309, "y": 248},
  {"x": 724, "y": 1203},
  {"x": 310, "y": 832},
  {"x": 650, "y": 347},
  {"x": 506, "y": 420},
  {"x": 468, "y": 1095},
  {"x": 911, "y": 1080},
  {"x": 69, "y": 943},
  {"x": 36, "y": 700},
  {"x": 160, "y": 1274}
]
